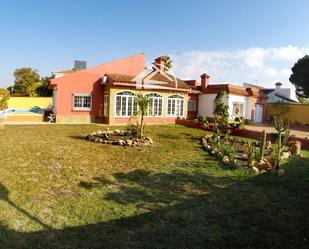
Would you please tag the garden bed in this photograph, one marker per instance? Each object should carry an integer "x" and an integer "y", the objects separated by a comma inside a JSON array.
[{"x": 119, "y": 137}]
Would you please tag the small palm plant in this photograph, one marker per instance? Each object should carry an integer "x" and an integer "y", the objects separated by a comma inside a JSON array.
[{"x": 142, "y": 102}]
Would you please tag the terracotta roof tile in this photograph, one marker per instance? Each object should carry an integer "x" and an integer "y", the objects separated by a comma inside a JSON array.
[{"x": 169, "y": 81}]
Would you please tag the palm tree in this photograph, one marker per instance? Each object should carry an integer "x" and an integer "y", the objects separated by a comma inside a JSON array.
[
  {"x": 142, "y": 102},
  {"x": 168, "y": 63}
]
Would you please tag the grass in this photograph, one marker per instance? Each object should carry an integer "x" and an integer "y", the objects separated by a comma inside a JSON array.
[{"x": 59, "y": 191}]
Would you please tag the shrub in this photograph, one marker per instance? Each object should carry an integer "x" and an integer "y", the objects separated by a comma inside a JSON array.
[{"x": 132, "y": 130}]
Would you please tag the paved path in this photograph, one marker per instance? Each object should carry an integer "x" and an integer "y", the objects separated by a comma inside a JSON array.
[{"x": 269, "y": 129}]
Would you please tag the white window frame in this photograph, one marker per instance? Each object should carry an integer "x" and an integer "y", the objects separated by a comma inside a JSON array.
[
  {"x": 156, "y": 97},
  {"x": 176, "y": 100},
  {"x": 77, "y": 108},
  {"x": 243, "y": 109},
  {"x": 190, "y": 102},
  {"x": 127, "y": 97},
  {"x": 105, "y": 104}
]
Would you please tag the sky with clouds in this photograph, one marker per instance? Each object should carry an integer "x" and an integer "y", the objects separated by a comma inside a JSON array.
[{"x": 233, "y": 41}]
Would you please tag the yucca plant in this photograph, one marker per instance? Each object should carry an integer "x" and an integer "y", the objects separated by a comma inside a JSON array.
[{"x": 142, "y": 102}]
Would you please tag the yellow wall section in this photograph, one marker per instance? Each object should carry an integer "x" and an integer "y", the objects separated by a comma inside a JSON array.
[
  {"x": 29, "y": 102},
  {"x": 297, "y": 113}
]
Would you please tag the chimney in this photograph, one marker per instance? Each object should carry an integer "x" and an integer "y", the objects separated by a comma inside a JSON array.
[
  {"x": 204, "y": 81},
  {"x": 278, "y": 85},
  {"x": 159, "y": 63},
  {"x": 80, "y": 65}
]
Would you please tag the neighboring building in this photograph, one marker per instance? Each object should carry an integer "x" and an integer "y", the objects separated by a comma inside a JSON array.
[
  {"x": 277, "y": 94},
  {"x": 105, "y": 93},
  {"x": 247, "y": 102}
]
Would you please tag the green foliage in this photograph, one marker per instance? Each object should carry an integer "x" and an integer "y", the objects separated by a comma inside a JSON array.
[
  {"x": 4, "y": 97},
  {"x": 203, "y": 120},
  {"x": 142, "y": 102},
  {"x": 43, "y": 88},
  {"x": 132, "y": 130},
  {"x": 303, "y": 100},
  {"x": 238, "y": 122},
  {"x": 26, "y": 81},
  {"x": 229, "y": 151},
  {"x": 221, "y": 116},
  {"x": 250, "y": 150},
  {"x": 300, "y": 77},
  {"x": 168, "y": 63},
  {"x": 262, "y": 146},
  {"x": 283, "y": 132}
]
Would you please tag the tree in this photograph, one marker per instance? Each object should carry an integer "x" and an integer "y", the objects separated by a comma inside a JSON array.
[
  {"x": 168, "y": 63},
  {"x": 300, "y": 77},
  {"x": 4, "y": 97},
  {"x": 43, "y": 88},
  {"x": 221, "y": 116},
  {"x": 142, "y": 102},
  {"x": 26, "y": 81}
]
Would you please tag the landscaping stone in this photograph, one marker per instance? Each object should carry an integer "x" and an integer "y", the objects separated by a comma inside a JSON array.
[
  {"x": 295, "y": 147},
  {"x": 280, "y": 172},
  {"x": 255, "y": 170},
  {"x": 285, "y": 155},
  {"x": 113, "y": 137}
]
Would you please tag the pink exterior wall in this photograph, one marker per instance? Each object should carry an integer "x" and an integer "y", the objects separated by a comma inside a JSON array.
[{"x": 89, "y": 81}]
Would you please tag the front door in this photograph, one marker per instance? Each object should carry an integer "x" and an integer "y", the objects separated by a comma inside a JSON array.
[{"x": 258, "y": 113}]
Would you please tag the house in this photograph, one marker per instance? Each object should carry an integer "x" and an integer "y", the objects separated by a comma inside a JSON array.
[
  {"x": 106, "y": 93},
  {"x": 247, "y": 102},
  {"x": 277, "y": 94}
]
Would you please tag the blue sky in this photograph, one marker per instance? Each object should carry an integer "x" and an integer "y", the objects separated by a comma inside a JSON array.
[{"x": 234, "y": 41}]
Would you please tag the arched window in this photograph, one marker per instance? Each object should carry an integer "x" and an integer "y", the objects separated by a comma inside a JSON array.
[
  {"x": 155, "y": 105},
  {"x": 175, "y": 106},
  {"x": 125, "y": 104}
]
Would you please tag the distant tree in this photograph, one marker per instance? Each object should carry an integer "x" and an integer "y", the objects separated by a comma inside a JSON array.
[
  {"x": 303, "y": 100},
  {"x": 168, "y": 63},
  {"x": 300, "y": 77},
  {"x": 26, "y": 81},
  {"x": 43, "y": 88},
  {"x": 4, "y": 97}
]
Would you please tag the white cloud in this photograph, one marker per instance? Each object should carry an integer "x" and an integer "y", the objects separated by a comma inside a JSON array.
[{"x": 264, "y": 66}]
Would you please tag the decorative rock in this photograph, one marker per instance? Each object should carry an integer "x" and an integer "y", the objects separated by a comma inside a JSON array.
[
  {"x": 99, "y": 132},
  {"x": 268, "y": 145},
  {"x": 121, "y": 142},
  {"x": 255, "y": 170},
  {"x": 149, "y": 140},
  {"x": 295, "y": 147},
  {"x": 117, "y": 131},
  {"x": 129, "y": 142},
  {"x": 285, "y": 155},
  {"x": 280, "y": 172},
  {"x": 225, "y": 159}
]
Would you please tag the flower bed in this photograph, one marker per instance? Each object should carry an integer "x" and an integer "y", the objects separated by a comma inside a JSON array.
[
  {"x": 239, "y": 154},
  {"x": 119, "y": 137}
]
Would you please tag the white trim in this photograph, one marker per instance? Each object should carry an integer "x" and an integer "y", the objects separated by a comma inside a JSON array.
[
  {"x": 162, "y": 107},
  {"x": 81, "y": 109},
  {"x": 115, "y": 107},
  {"x": 195, "y": 105},
  {"x": 180, "y": 97}
]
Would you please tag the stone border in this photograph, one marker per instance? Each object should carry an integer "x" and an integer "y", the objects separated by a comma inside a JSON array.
[{"x": 103, "y": 137}]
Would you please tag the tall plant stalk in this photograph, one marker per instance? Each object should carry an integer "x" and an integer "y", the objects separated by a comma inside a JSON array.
[{"x": 283, "y": 132}]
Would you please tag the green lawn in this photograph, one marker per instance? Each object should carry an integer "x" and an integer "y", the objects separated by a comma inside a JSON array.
[{"x": 59, "y": 191}]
